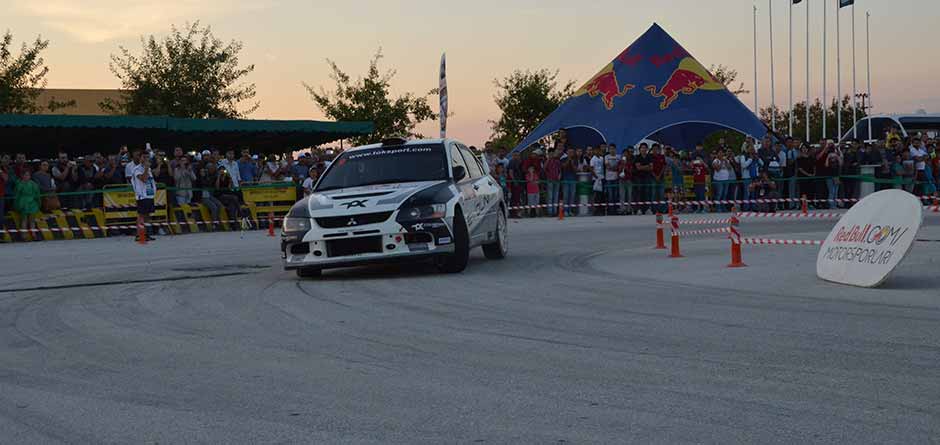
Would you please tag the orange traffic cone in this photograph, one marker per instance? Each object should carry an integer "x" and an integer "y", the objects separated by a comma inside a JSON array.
[
  {"x": 936, "y": 202},
  {"x": 804, "y": 205},
  {"x": 271, "y": 223},
  {"x": 660, "y": 237},
  {"x": 561, "y": 210},
  {"x": 141, "y": 234},
  {"x": 675, "y": 238},
  {"x": 735, "y": 237},
  {"x": 669, "y": 204}
]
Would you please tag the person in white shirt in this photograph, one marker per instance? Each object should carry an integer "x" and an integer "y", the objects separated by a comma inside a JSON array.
[
  {"x": 722, "y": 174},
  {"x": 310, "y": 181},
  {"x": 611, "y": 178},
  {"x": 597, "y": 171},
  {"x": 920, "y": 157},
  {"x": 145, "y": 189},
  {"x": 230, "y": 164}
]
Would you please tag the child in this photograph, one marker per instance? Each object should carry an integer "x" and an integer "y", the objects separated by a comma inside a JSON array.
[
  {"x": 26, "y": 193},
  {"x": 532, "y": 190},
  {"x": 310, "y": 181}
]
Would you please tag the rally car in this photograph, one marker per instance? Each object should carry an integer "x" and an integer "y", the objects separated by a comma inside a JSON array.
[{"x": 397, "y": 201}]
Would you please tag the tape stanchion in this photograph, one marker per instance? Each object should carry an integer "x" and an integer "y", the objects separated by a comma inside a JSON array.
[
  {"x": 271, "y": 223},
  {"x": 660, "y": 237},
  {"x": 804, "y": 205},
  {"x": 735, "y": 237},
  {"x": 674, "y": 221}
]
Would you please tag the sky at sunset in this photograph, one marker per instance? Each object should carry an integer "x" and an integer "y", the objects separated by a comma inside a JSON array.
[{"x": 289, "y": 41}]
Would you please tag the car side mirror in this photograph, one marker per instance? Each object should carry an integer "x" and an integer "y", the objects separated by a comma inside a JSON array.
[{"x": 460, "y": 172}]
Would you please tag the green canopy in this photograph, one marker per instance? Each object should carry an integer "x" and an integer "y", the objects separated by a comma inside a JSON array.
[{"x": 40, "y": 136}]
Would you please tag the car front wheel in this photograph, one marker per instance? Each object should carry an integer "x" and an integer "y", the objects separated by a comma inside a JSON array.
[
  {"x": 498, "y": 249},
  {"x": 457, "y": 261}
]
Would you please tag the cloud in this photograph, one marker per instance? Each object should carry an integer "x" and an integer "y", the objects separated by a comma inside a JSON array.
[{"x": 97, "y": 21}]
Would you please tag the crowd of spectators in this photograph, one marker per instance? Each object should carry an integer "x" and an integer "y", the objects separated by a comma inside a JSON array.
[
  {"x": 828, "y": 174},
  {"x": 210, "y": 177}
]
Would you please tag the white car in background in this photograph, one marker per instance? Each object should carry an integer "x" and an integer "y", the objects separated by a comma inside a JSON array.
[{"x": 397, "y": 201}]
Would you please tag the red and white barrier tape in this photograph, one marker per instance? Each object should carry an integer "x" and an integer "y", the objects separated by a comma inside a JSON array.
[
  {"x": 130, "y": 226},
  {"x": 705, "y": 203},
  {"x": 702, "y": 231},
  {"x": 786, "y": 242},
  {"x": 791, "y": 215}
]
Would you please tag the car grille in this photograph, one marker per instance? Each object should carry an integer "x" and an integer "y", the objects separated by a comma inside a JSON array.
[
  {"x": 353, "y": 246},
  {"x": 339, "y": 222}
]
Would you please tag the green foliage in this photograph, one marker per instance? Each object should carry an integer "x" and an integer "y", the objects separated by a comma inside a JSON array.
[
  {"x": 23, "y": 77},
  {"x": 369, "y": 99},
  {"x": 525, "y": 99},
  {"x": 189, "y": 74},
  {"x": 727, "y": 76},
  {"x": 815, "y": 119}
]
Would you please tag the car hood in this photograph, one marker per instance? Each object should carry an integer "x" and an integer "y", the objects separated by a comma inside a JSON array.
[{"x": 365, "y": 199}]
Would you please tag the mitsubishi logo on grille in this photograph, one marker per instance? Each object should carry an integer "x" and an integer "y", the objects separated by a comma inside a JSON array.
[
  {"x": 358, "y": 203},
  {"x": 352, "y": 222}
]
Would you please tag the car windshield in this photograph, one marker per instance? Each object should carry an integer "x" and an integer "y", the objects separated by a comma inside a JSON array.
[{"x": 385, "y": 165}]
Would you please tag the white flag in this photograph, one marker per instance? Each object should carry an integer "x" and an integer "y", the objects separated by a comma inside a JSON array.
[{"x": 443, "y": 95}]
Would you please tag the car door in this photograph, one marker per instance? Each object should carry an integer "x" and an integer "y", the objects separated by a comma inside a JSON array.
[
  {"x": 468, "y": 195},
  {"x": 484, "y": 190}
]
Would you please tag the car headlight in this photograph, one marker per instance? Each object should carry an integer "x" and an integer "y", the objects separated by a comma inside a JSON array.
[
  {"x": 296, "y": 225},
  {"x": 433, "y": 211}
]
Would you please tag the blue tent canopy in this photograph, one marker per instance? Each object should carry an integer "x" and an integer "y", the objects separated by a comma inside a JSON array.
[{"x": 654, "y": 90}]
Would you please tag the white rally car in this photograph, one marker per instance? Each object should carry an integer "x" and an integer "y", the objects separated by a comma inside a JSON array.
[{"x": 398, "y": 200}]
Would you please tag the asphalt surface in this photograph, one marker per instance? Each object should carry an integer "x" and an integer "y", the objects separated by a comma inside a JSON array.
[{"x": 583, "y": 335}]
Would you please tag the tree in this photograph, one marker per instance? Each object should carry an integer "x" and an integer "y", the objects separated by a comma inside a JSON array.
[
  {"x": 525, "y": 99},
  {"x": 23, "y": 78},
  {"x": 189, "y": 73},
  {"x": 782, "y": 118},
  {"x": 727, "y": 76},
  {"x": 369, "y": 99}
]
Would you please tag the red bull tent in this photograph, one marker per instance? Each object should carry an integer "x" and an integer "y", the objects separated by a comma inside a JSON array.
[{"x": 653, "y": 90}]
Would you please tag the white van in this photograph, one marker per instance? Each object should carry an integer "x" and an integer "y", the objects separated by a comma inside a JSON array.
[{"x": 907, "y": 125}]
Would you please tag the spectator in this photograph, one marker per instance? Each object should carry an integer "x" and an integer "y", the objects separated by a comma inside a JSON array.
[
  {"x": 225, "y": 193},
  {"x": 272, "y": 171},
  {"x": 86, "y": 183},
  {"x": 160, "y": 169},
  {"x": 553, "y": 177},
  {"x": 178, "y": 156},
  {"x": 247, "y": 168},
  {"x": 907, "y": 172},
  {"x": 851, "y": 166},
  {"x": 699, "y": 180},
  {"x": 611, "y": 178},
  {"x": 764, "y": 188},
  {"x": 805, "y": 170},
  {"x": 516, "y": 180},
  {"x": 832, "y": 171},
  {"x": 532, "y": 190},
  {"x": 65, "y": 173},
  {"x": 183, "y": 178},
  {"x": 643, "y": 177},
  {"x": 658, "y": 173},
  {"x": 722, "y": 174},
  {"x": 700, "y": 153},
  {"x": 310, "y": 181},
  {"x": 4, "y": 182},
  {"x": 207, "y": 179},
  {"x": 920, "y": 158},
  {"x": 47, "y": 188},
  {"x": 231, "y": 168},
  {"x": 499, "y": 174},
  {"x": 597, "y": 175},
  {"x": 26, "y": 202},
  {"x": 145, "y": 189},
  {"x": 676, "y": 168},
  {"x": 502, "y": 159},
  {"x": 569, "y": 178},
  {"x": 625, "y": 176},
  {"x": 113, "y": 172}
]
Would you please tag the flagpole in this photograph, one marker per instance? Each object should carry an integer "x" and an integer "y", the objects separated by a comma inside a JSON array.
[
  {"x": 807, "y": 71},
  {"x": 825, "y": 98},
  {"x": 854, "y": 85},
  {"x": 868, "y": 59},
  {"x": 791, "y": 70},
  {"x": 838, "y": 73},
  {"x": 773, "y": 89},
  {"x": 756, "y": 103}
]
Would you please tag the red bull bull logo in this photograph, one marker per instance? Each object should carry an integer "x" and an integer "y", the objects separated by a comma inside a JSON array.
[
  {"x": 687, "y": 79},
  {"x": 605, "y": 84}
]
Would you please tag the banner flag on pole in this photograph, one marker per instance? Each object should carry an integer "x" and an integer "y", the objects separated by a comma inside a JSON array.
[{"x": 442, "y": 92}]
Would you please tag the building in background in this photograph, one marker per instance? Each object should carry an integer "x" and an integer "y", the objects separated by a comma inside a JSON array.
[{"x": 86, "y": 102}]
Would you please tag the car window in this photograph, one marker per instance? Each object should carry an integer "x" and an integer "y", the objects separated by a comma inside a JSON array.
[
  {"x": 457, "y": 160},
  {"x": 385, "y": 165},
  {"x": 475, "y": 170}
]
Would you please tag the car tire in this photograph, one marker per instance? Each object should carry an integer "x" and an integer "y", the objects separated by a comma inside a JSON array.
[
  {"x": 498, "y": 249},
  {"x": 309, "y": 272},
  {"x": 457, "y": 261}
]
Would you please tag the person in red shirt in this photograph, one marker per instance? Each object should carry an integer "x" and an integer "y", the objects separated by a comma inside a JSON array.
[
  {"x": 659, "y": 173},
  {"x": 532, "y": 190},
  {"x": 553, "y": 177},
  {"x": 533, "y": 161},
  {"x": 699, "y": 178}
]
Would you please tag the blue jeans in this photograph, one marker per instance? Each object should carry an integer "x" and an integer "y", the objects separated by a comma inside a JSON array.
[
  {"x": 721, "y": 193},
  {"x": 569, "y": 188},
  {"x": 746, "y": 195},
  {"x": 626, "y": 196},
  {"x": 613, "y": 194},
  {"x": 659, "y": 194},
  {"x": 832, "y": 185},
  {"x": 699, "y": 196},
  {"x": 553, "y": 189}
]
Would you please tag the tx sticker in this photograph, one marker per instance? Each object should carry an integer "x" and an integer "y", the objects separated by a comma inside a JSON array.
[{"x": 351, "y": 204}]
